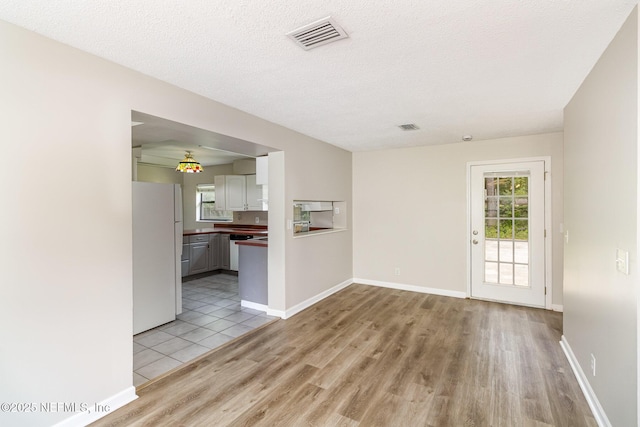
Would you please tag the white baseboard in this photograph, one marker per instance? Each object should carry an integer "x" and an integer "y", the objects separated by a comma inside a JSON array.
[
  {"x": 317, "y": 298},
  {"x": 412, "y": 288},
  {"x": 557, "y": 307},
  {"x": 277, "y": 313},
  {"x": 99, "y": 410},
  {"x": 254, "y": 305},
  {"x": 592, "y": 399}
]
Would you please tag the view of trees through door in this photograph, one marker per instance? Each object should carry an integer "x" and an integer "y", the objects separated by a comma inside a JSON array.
[{"x": 507, "y": 230}]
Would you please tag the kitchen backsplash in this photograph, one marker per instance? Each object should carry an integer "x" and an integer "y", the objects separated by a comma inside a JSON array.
[{"x": 249, "y": 217}]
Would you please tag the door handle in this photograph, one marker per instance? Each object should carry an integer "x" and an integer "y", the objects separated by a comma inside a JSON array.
[{"x": 475, "y": 242}]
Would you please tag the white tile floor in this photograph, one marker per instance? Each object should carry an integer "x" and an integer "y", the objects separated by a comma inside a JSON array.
[{"x": 211, "y": 316}]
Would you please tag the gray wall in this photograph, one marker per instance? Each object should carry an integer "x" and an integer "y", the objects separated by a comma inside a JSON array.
[{"x": 601, "y": 196}]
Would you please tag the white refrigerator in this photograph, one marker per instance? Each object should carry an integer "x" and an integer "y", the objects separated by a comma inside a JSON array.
[{"x": 157, "y": 249}]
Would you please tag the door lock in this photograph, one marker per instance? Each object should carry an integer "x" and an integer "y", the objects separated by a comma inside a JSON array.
[
  {"x": 475, "y": 242},
  {"x": 475, "y": 232}
]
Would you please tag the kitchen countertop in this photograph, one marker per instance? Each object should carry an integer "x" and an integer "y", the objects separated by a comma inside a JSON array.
[
  {"x": 229, "y": 229},
  {"x": 261, "y": 242}
]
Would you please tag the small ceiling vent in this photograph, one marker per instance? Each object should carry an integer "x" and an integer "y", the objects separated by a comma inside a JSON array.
[
  {"x": 318, "y": 33},
  {"x": 409, "y": 126}
]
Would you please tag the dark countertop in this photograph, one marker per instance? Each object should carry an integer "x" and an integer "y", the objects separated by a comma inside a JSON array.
[
  {"x": 230, "y": 229},
  {"x": 261, "y": 242}
]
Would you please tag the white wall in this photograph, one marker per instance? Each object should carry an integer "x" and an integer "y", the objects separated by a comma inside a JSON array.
[
  {"x": 601, "y": 196},
  {"x": 410, "y": 210},
  {"x": 67, "y": 271},
  {"x": 161, "y": 174},
  {"x": 323, "y": 256}
]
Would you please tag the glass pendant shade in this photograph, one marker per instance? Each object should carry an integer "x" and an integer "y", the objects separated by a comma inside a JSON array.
[{"x": 189, "y": 165}]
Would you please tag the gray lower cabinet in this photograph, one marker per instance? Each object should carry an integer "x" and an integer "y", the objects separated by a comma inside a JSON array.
[
  {"x": 214, "y": 251},
  {"x": 185, "y": 258},
  {"x": 225, "y": 261},
  {"x": 252, "y": 274},
  {"x": 198, "y": 253},
  {"x": 198, "y": 258},
  {"x": 205, "y": 252}
]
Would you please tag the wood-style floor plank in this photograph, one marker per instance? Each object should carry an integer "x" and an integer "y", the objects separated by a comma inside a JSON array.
[{"x": 370, "y": 356}]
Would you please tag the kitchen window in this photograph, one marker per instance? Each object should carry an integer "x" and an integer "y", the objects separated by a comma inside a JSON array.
[{"x": 206, "y": 205}]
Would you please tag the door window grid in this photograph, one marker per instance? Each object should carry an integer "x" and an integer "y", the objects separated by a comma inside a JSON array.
[{"x": 507, "y": 229}]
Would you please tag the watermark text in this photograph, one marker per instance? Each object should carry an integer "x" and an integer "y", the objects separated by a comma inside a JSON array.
[{"x": 53, "y": 407}]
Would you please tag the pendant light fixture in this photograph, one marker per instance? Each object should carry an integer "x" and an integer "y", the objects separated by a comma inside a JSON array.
[{"x": 189, "y": 164}]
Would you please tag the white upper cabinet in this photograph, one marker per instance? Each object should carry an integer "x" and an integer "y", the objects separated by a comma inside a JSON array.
[
  {"x": 221, "y": 194},
  {"x": 262, "y": 170},
  {"x": 236, "y": 192},
  {"x": 254, "y": 194},
  {"x": 239, "y": 193}
]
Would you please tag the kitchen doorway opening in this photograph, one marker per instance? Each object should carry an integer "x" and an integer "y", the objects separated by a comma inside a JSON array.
[{"x": 212, "y": 313}]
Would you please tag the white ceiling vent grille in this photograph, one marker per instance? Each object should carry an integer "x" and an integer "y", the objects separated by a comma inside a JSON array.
[{"x": 318, "y": 33}]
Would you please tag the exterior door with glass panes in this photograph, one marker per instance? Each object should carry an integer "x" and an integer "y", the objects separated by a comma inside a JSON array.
[{"x": 507, "y": 233}]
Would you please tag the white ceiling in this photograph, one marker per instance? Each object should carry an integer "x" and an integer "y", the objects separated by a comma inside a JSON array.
[{"x": 489, "y": 68}]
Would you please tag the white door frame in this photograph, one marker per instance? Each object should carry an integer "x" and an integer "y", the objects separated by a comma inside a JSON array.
[{"x": 548, "y": 256}]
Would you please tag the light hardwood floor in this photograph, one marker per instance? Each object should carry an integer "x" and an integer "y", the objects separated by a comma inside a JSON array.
[{"x": 370, "y": 356}]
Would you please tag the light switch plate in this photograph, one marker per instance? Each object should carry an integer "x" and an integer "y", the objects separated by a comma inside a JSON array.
[{"x": 622, "y": 261}]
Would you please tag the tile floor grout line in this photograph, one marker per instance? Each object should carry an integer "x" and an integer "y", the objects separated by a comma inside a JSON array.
[{"x": 216, "y": 293}]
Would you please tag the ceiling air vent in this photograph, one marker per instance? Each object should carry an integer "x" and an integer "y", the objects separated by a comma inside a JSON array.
[
  {"x": 409, "y": 126},
  {"x": 318, "y": 33}
]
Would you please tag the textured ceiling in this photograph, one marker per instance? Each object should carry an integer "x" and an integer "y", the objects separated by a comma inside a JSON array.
[{"x": 489, "y": 68}]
